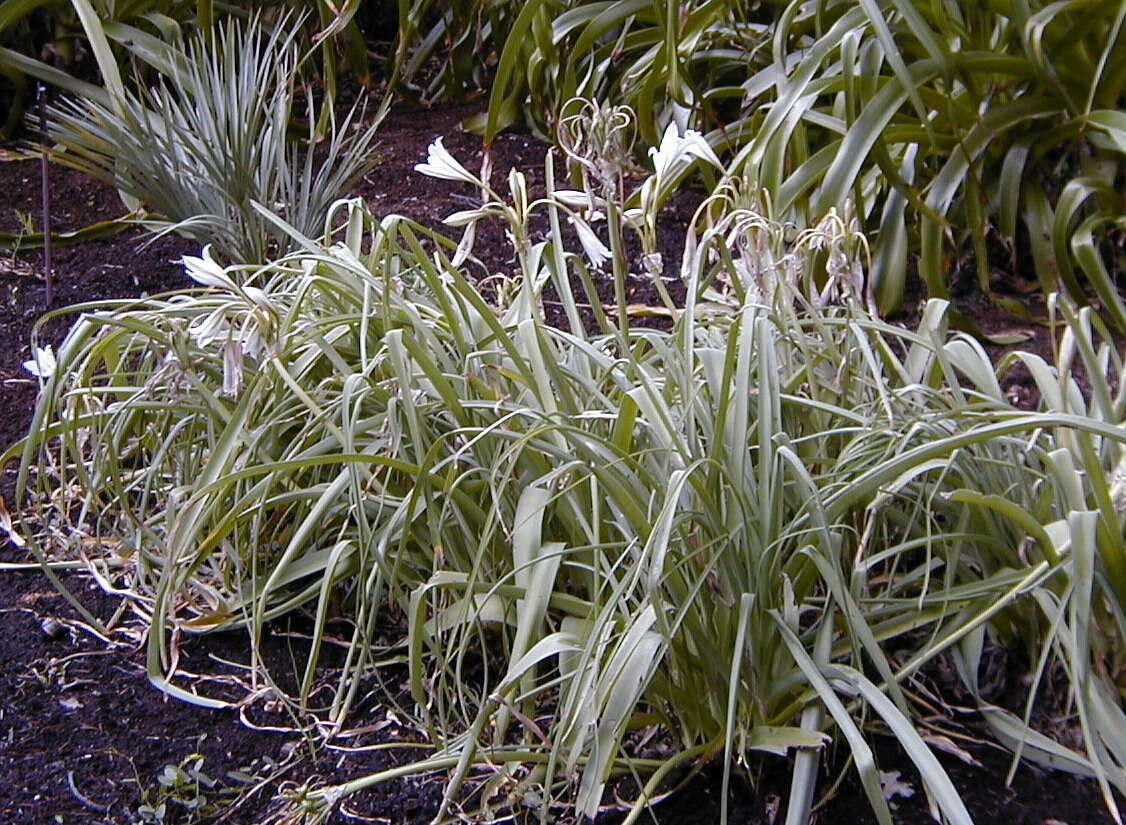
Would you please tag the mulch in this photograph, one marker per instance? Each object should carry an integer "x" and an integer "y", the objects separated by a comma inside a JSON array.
[{"x": 84, "y": 735}]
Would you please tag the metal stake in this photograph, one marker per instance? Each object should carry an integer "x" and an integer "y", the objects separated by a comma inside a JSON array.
[{"x": 43, "y": 174}]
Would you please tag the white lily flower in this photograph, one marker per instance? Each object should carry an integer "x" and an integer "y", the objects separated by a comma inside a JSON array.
[
  {"x": 206, "y": 270},
  {"x": 595, "y": 250},
  {"x": 441, "y": 164},
  {"x": 42, "y": 363},
  {"x": 676, "y": 151},
  {"x": 211, "y": 328}
]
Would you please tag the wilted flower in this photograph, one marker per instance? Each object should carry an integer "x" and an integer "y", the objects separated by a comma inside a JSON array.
[
  {"x": 42, "y": 363},
  {"x": 844, "y": 268},
  {"x": 441, "y": 164},
  {"x": 599, "y": 138},
  {"x": 253, "y": 344}
]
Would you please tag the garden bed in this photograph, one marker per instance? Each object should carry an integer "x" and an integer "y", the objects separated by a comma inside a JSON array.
[{"x": 84, "y": 737}]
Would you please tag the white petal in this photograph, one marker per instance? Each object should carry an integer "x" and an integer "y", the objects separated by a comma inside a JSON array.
[
  {"x": 42, "y": 363},
  {"x": 634, "y": 217},
  {"x": 892, "y": 786},
  {"x": 257, "y": 296},
  {"x": 665, "y": 156},
  {"x": 518, "y": 186},
  {"x": 252, "y": 343},
  {"x": 697, "y": 145},
  {"x": 1118, "y": 485},
  {"x": 213, "y": 327},
  {"x": 441, "y": 164},
  {"x": 574, "y": 199},
  {"x": 205, "y": 270},
  {"x": 232, "y": 367},
  {"x": 465, "y": 247},
  {"x": 465, "y": 217},
  {"x": 595, "y": 250},
  {"x": 676, "y": 151}
]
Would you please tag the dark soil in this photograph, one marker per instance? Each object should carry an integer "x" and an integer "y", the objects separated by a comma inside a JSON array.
[{"x": 84, "y": 736}]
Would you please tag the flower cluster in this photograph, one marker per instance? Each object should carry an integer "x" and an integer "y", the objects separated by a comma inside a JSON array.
[{"x": 240, "y": 327}]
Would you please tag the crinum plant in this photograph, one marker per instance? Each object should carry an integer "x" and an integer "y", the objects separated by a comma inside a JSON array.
[
  {"x": 744, "y": 536},
  {"x": 598, "y": 141}
]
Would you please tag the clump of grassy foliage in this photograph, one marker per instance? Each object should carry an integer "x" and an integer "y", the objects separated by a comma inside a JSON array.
[
  {"x": 716, "y": 531},
  {"x": 211, "y": 138}
]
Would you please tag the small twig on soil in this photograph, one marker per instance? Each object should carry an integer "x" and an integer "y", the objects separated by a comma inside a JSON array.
[{"x": 43, "y": 172}]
